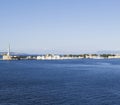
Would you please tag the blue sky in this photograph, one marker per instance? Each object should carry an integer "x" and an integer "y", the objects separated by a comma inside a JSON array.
[{"x": 59, "y": 26}]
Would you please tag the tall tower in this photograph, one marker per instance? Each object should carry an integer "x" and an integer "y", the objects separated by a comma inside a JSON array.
[{"x": 8, "y": 50}]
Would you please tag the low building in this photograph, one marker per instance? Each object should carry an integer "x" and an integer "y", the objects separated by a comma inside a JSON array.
[
  {"x": 115, "y": 56},
  {"x": 7, "y": 57},
  {"x": 48, "y": 57}
]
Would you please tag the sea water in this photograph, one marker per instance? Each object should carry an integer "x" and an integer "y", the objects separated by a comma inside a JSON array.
[{"x": 60, "y": 82}]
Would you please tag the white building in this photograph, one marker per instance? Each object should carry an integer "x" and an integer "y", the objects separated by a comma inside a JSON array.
[
  {"x": 116, "y": 56},
  {"x": 48, "y": 57}
]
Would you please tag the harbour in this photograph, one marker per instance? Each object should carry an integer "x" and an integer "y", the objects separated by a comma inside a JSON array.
[
  {"x": 59, "y": 52},
  {"x": 8, "y": 56}
]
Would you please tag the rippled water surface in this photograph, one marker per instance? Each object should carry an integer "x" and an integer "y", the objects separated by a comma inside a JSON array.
[{"x": 60, "y": 82}]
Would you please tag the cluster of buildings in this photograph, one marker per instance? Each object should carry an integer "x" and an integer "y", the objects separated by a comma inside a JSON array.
[{"x": 8, "y": 56}]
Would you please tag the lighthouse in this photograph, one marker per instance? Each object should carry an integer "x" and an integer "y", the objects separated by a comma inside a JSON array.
[{"x": 7, "y": 56}]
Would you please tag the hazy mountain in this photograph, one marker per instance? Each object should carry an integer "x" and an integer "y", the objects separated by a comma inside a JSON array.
[
  {"x": 108, "y": 52},
  {"x": 13, "y": 53}
]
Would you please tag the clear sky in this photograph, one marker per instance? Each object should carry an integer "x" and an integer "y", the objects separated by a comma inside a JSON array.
[{"x": 59, "y": 26}]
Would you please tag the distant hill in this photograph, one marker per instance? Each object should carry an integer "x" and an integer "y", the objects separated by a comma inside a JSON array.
[
  {"x": 108, "y": 52},
  {"x": 13, "y": 53}
]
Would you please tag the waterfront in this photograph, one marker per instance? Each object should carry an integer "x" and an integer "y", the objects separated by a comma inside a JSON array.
[{"x": 60, "y": 82}]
